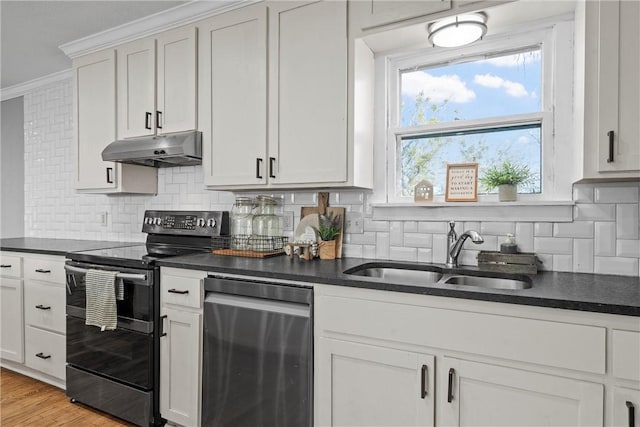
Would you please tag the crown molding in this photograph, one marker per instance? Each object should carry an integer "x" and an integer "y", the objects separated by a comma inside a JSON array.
[
  {"x": 149, "y": 25},
  {"x": 21, "y": 89}
]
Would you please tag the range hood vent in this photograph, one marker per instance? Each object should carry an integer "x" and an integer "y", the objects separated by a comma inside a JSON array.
[{"x": 178, "y": 149}]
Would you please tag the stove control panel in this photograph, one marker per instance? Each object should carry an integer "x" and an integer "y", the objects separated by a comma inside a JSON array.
[{"x": 189, "y": 223}]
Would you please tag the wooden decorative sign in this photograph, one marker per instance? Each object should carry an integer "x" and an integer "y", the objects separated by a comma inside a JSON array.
[{"x": 462, "y": 182}]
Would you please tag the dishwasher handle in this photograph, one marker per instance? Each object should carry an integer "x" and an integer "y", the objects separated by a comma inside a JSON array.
[
  {"x": 271, "y": 306},
  {"x": 258, "y": 289}
]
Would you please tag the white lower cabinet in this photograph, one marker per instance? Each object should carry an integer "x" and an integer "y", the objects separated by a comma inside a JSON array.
[
  {"x": 11, "y": 320},
  {"x": 626, "y": 407},
  {"x": 181, "y": 345},
  {"x": 366, "y": 385},
  {"x": 481, "y": 394}
]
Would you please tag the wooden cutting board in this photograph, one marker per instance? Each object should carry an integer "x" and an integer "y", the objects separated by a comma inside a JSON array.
[{"x": 323, "y": 208}]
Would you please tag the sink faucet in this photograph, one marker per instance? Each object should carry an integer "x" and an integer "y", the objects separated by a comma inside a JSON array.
[{"x": 454, "y": 244}]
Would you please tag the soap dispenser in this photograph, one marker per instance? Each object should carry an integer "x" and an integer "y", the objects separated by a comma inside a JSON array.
[{"x": 509, "y": 245}]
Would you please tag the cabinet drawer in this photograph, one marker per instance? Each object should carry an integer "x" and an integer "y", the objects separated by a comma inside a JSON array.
[
  {"x": 44, "y": 305},
  {"x": 562, "y": 345},
  {"x": 45, "y": 351},
  {"x": 10, "y": 266},
  {"x": 49, "y": 269},
  {"x": 182, "y": 287},
  {"x": 626, "y": 354}
]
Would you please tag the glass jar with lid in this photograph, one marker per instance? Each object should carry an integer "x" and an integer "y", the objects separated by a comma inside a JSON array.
[
  {"x": 266, "y": 225},
  {"x": 241, "y": 222}
]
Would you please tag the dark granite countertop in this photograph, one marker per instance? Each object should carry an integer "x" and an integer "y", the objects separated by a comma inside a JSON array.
[
  {"x": 573, "y": 291},
  {"x": 56, "y": 246}
]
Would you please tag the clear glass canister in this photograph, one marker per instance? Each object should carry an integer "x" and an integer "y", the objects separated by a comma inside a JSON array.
[
  {"x": 266, "y": 224},
  {"x": 241, "y": 222}
]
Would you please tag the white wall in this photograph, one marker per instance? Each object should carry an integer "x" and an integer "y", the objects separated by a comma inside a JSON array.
[
  {"x": 604, "y": 237},
  {"x": 12, "y": 168}
]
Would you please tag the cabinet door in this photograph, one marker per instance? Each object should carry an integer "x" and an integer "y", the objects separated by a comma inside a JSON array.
[
  {"x": 626, "y": 407},
  {"x": 308, "y": 87},
  {"x": 478, "y": 394},
  {"x": 619, "y": 86},
  {"x": 363, "y": 385},
  {"x": 94, "y": 103},
  {"x": 136, "y": 88},
  {"x": 374, "y": 13},
  {"x": 177, "y": 77},
  {"x": 233, "y": 76},
  {"x": 11, "y": 320},
  {"x": 180, "y": 352}
]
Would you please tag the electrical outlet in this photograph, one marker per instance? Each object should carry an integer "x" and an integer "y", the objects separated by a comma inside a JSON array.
[
  {"x": 353, "y": 223},
  {"x": 103, "y": 218},
  {"x": 287, "y": 221}
]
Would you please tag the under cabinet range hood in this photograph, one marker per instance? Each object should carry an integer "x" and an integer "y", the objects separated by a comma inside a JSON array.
[{"x": 177, "y": 149}]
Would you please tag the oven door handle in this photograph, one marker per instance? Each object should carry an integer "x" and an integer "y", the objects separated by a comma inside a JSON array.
[{"x": 124, "y": 276}]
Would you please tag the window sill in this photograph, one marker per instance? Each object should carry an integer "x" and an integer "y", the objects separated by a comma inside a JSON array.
[{"x": 521, "y": 211}]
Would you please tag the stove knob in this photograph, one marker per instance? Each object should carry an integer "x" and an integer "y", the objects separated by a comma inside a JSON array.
[
  {"x": 157, "y": 221},
  {"x": 201, "y": 222},
  {"x": 147, "y": 220},
  {"x": 211, "y": 222}
]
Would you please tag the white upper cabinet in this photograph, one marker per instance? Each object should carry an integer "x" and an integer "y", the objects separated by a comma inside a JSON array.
[
  {"x": 278, "y": 88},
  {"x": 140, "y": 113},
  {"x": 233, "y": 102},
  {"x": 94, "y": 106},
  {"x": 611, "y": 90},
  {"x": 375, "y": 13}
]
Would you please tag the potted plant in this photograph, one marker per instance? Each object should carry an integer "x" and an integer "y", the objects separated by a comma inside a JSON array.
[
  {"x": 506, "y": 178},
  {"x": 328, "y": 230}
]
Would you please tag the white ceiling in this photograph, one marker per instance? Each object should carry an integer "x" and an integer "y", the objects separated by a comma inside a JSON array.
[{"x": 31, "y": 31}]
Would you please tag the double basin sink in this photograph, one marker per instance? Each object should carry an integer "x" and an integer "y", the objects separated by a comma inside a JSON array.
[{"x": 432, "y": 275}]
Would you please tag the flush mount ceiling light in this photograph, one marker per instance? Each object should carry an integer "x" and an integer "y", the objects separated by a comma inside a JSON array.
[{"x": 458, "y": 30}]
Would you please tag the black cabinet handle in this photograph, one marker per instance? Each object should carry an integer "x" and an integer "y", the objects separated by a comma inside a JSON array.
[
  {"x": 162, "y": 333},
  {"x": 39, "y": 270},
  {"x": 611, "y": 134},
  {"x": 147, "y": 120},
  {"x": 423, "y": 382},
  {"x": 272, "y": 160},
  {"x": 109, "y": 177},
  {"x": 5, "y": 266},
  {"x": 175, "y": 291},
  {"x": 159, "y": 119},
  {"x": 258, "y": 168},
  {"x": 452, "y": 372},
  {"x": 43, "y": 307},
  {"x": 43, "y": 356},
  {"x": 632, "y": 415}
]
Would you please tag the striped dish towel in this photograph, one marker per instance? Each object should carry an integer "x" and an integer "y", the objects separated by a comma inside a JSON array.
[{"x": 101, "y": 299}]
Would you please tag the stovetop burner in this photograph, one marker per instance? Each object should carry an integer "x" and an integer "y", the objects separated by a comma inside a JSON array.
[{"x": 169, "y": 233}]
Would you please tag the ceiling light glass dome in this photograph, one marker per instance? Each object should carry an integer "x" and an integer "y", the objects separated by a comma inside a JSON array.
[{"x": 458, "y": 30}]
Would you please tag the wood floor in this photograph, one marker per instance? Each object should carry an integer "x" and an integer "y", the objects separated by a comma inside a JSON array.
[{"x": 28, "y": 402}]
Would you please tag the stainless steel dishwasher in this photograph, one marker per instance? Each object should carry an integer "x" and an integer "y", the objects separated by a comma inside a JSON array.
[{"x": 258, "y": 353}]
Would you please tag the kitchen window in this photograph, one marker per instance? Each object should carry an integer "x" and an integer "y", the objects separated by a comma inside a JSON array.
[{"x": 493, "y": 101}]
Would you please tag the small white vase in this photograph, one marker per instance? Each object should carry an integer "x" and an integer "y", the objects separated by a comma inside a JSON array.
[{"x": 507, "y": 193}]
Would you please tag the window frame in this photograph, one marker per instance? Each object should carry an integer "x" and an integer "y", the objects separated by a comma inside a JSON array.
[{"x": 555, "y": 183}]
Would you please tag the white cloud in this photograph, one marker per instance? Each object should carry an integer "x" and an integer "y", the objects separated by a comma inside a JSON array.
[
  {"x": 523, "y": 139},
  {"x": 515, "y": 60},
  {"x": 438, "y": 89},
  {"x": 514, "y": 89}
]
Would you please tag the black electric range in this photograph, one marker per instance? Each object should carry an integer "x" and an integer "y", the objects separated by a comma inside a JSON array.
[{"x": 117, "y": 371}]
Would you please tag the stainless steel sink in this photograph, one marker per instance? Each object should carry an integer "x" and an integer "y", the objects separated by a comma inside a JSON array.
[
  {"x": 487, "y": 282},
  {"x": 398, "y": 273},
  {"x": 428, "y": 275}
]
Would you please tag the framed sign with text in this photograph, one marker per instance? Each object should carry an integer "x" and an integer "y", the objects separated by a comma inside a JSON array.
[{"x": 462, "y": 182}]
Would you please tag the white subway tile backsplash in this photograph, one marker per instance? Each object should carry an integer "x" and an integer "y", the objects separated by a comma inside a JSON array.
[
  {"x": 583, "y": 255},
  {"x": 603, "y": 237},
  {"x": 582, "y": 229},
  {"x": 605, "y": 241},
  {"x": 627, "y": 221},
  {"x": 543, "y": 229},
  {"x": 553, "y": 245},
  {"x": 608, "y": 194},
  {"x": 497, "y": 228},
  {"x": 546, "y": 262},
  {"x": 604, "y": 212},
  {"x": 619, "y": 266}
]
